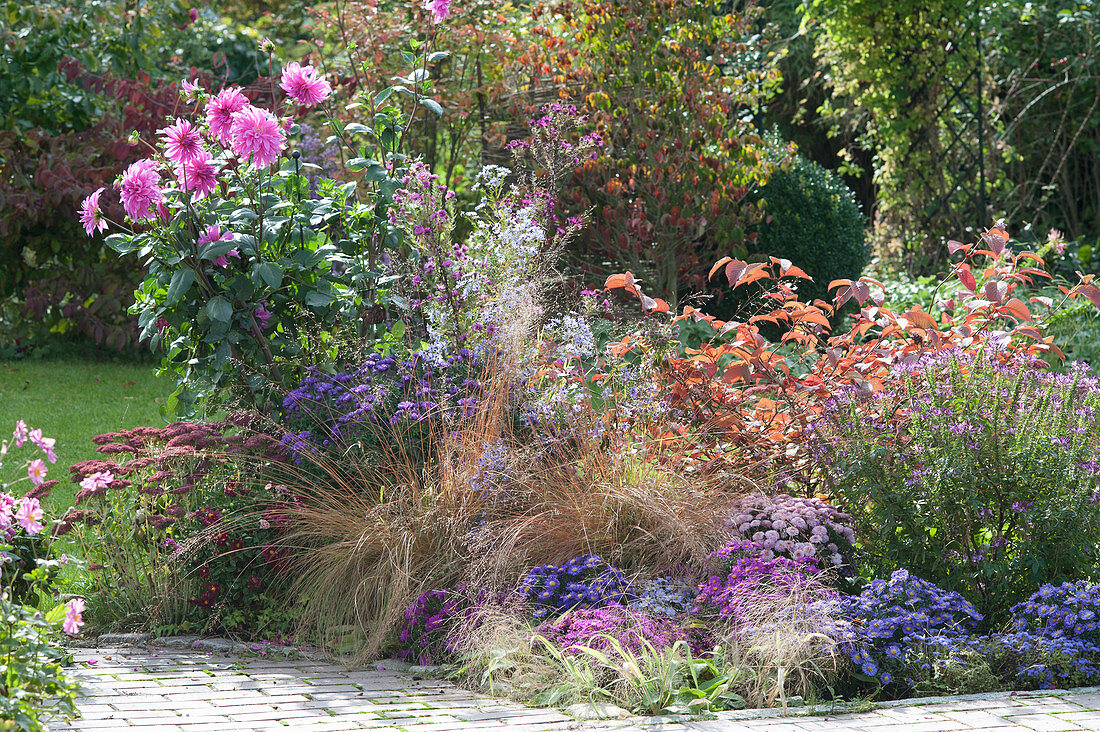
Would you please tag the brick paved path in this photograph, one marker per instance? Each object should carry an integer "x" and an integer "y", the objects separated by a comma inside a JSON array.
[{"x": 185, "y": 690}]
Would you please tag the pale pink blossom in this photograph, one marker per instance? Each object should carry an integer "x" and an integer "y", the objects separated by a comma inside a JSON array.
[
  {"x": 45, "y": 444},
  {"x": 90, "y": 216},
  {"x": 257, "y": 135},
  {"x": 139, "y": 189},
  {"x": 220, "y": 110},
  {"x": 20, "y": 433},
  {"x": 439, "y": 9},
  {"x": 98, "y": 482},
  {"x": 182, "y": 142},
  {"x": 73, "y": 616},
  {"x": 36, "y": 471},
  {"x": 29, "y": 515},
  {"x": 7, "y": 510},
  {"x": 198, "y": 176},
  {"x": 304, "y": 85}
]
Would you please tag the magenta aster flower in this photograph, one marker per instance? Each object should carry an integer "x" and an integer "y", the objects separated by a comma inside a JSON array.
[
  {"x": 90, "y": 216},
  {"x": 140, "y": 189},
  {"x": 199, "y": 176},
  {"x": 304, "y": 85},
  {"x": 220, "y": 110},
  {"x": 257, "y": 134},
  {"x": 73, "y": 616},
  {"x": 182, "y": 142},
  {"x": 29, "y": 515},
  {"x": 439, "y": 9}
]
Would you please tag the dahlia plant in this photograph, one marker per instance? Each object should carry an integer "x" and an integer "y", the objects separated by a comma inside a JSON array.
[{"x": 244, "y": 254}]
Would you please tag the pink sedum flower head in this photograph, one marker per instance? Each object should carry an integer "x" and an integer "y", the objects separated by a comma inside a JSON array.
[
  {"x": 29, "y": 515},
  {"x": 304, "y": 85},
  {"x": 440, "y": 9},
  {"x": 199, "y": 177},
  {"x": 182, "y": 142},
  {"x": 140, "y": 190},
  {"x": 90, "y": 216},
  {"x": 74, "y": 618},
  {"x": 20, "y": 433},
  {"x": 220, "y": 110},
  {"x": 257, "y": 135}
]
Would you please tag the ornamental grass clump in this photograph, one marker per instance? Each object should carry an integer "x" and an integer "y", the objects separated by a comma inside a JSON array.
[{"x": 977, "y": 471}]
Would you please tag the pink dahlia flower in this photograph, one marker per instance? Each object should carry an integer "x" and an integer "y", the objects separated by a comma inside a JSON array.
[
  {"x": 199, "y": 176},
  {"x": 140, "y": 189},
  {"x": 182, "y": 142},
  {"x": 90, "y": 216},
  {"x": 220, "y": 110},
  {"x": 213, "y": 234},
  {"x": 257, "y": 134},
  {"x": 304, "y": 85}
]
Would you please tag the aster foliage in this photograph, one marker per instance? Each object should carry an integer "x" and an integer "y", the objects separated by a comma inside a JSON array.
[
  {"x": 978, "y": 471},
  {"x": 890, "y": 628}
]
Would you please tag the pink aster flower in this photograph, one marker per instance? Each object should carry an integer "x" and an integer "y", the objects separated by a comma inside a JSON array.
[
  {"x": 36, "y": 471},
  {"x": 263, "y": 315},
  {"x": 257, "y": 135},
  {"x": 220, "y": 110},
  {"x": 304, "y": 85},
  {"x": 140, "y": 189},
  {"x": 29, "y": 515},
  {"x": 73, "y": 616},
  {"x": 182, "y": 142},
  {"x": 198, "y": 176},
  {"x": 439, "y": 9},
  {"x": 20, "y": 433},
  {"x": 90, "y": 216}
]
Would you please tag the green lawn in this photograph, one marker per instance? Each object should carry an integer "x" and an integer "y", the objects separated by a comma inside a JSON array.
[{"x": 72, "y": 401}]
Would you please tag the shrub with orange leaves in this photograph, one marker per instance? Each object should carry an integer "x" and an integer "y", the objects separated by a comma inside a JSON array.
[{"x": 746, "y": 401}]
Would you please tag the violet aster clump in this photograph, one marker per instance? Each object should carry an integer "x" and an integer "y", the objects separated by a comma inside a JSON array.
[
  {"x": 584, "y": 581},
  {"x": 593, "y": 627}
]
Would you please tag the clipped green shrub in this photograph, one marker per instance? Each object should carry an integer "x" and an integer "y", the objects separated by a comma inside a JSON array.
[{"x": 814, "y": 221}]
